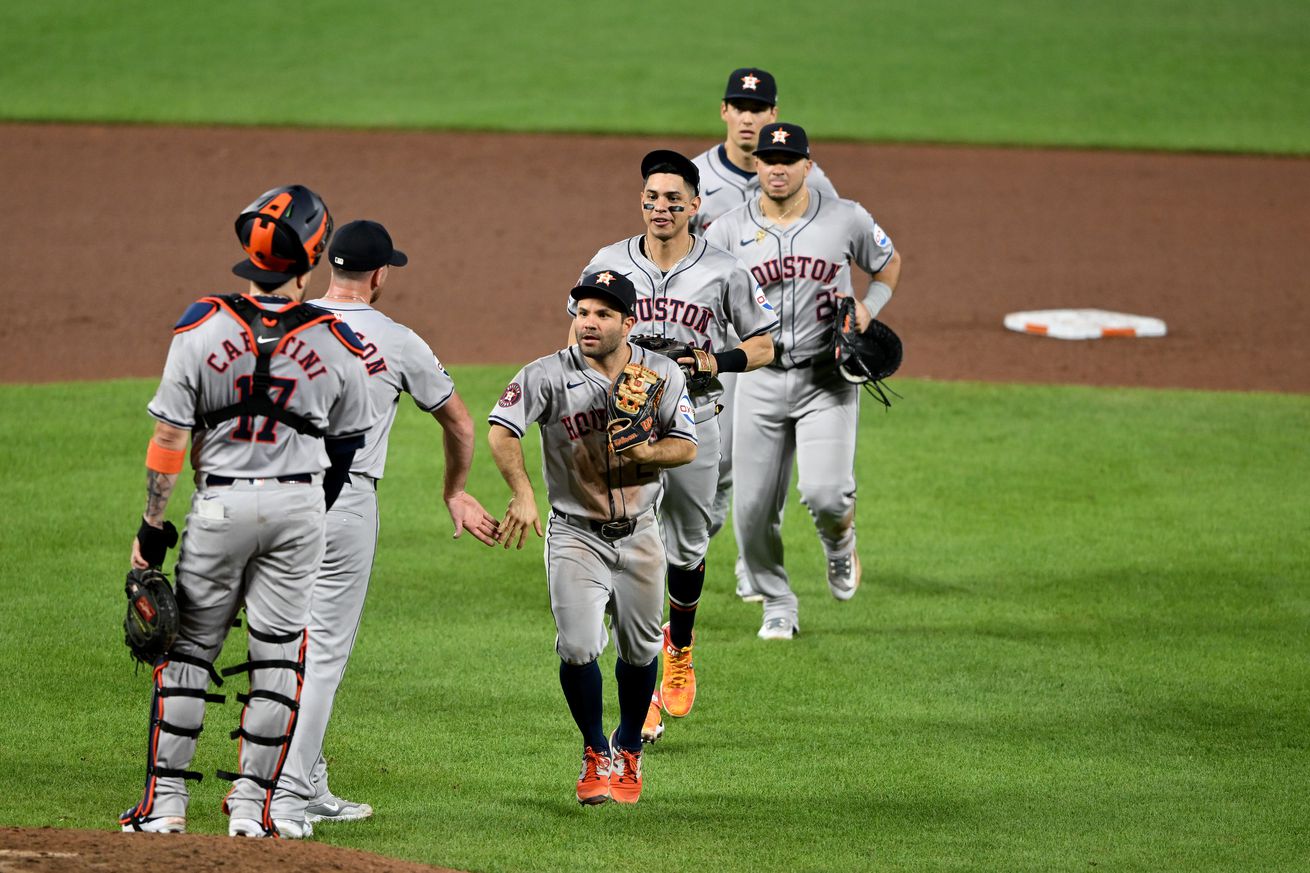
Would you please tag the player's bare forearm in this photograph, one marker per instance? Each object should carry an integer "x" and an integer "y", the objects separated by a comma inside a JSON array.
[
  {"x": 671, "y": 452},
  {"x": 759, "y": 351},
  {"x": 160, "y": 485},
  {"x": 507, "y": 452},
  {"x": 457, "y": 443}
]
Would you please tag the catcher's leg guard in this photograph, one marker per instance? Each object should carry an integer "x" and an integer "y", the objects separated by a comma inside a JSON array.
[
  {"x": 177, "y": 713},
  {"x": 268, "y": 720}
]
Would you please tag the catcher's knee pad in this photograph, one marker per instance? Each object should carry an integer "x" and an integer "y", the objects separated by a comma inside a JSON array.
[
  {"x": 177, "y": 714},
  {"x": 268, "y": 719}
]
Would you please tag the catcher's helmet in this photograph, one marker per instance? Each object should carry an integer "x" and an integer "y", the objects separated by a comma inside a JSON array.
[{"x": 284, "y": 231}]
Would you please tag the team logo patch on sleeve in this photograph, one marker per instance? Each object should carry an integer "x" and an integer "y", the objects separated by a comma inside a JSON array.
[
  {"x": 763, "y": 301},
  {"x": 686, "y": 411},
  {"x": 879, "y": 236},
  {"x": 513, "y": 394}
]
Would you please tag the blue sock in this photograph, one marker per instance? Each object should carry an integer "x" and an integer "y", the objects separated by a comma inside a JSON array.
[
  {"x": 582, "y": 689},
  {"x": 636, "y": 685},
  {"x": 685, "y": 587}
]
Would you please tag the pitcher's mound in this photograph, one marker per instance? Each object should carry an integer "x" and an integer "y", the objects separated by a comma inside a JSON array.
[{"x": 54, "y": 850}]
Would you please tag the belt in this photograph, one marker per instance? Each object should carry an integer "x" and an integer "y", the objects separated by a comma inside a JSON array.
[
  {"x": 296, "y": 478},
  {"x": 610, "y": 531},
  {"x": 818, "y": 362}
]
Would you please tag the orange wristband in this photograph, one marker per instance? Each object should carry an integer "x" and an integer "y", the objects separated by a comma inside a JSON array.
[{"x": 163, "y": 460}]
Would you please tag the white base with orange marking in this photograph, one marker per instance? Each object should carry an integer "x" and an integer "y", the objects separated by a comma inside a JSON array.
[{"x": 1082, "y": 324}]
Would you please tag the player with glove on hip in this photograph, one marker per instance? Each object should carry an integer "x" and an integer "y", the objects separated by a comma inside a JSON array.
[
  {"x": 693, "y": 300},
  {"x": 612, "y": 416}
]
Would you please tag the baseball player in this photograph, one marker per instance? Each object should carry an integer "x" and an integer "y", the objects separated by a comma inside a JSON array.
[
  {"x": 271, "y": 394},
  {"x": 693, "y": 292},
  {"x": 750, "y": 101},
  {"x": 799, "y": 243},
  {"x": 604, "y": 554},
  {"x": 397, "y": 361}
]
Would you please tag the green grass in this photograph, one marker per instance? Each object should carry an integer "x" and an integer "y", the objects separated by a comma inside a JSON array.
[
  {"x": 1081, "y": 644},
  {"x": 1205, "y": 74}
]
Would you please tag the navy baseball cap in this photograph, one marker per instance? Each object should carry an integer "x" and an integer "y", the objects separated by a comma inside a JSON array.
[
  {"x": 751, "y": 83},
  {"x": 361, "y": 246},
  {"x": 682, "y": 166},
  {"x": 611, "y": 284},
  {"x": 783, "y": 138}
]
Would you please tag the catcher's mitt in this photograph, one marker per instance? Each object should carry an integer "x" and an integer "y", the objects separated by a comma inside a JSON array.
[
  {"x": 866, "y": 358},
  {"x": 152, "y": 620},
  {"x": 698, "y": 372},
  {"x": 632, "y": 406}
]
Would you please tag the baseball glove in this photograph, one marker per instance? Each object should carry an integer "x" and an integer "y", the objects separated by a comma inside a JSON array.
[
  {"x": 866, "y": 358},
  {"x": 152, "y": 620},
  {"x": 698, "y": 372},
  {"x": 632, "y": 406}
]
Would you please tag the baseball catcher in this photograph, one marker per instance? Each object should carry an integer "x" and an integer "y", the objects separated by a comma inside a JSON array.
[
  {"x": 866, "y": 358},
  {"x": 695, "y": 362},
  {"x": 632, "y": 406}
]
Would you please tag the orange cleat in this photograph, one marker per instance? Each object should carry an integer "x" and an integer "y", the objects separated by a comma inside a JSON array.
[
  {"x": 678, "y": 687},
  {"x": 594, "y": 781},
  {"x": 625, "y": 775},
  {"x": 653, "y": 729}
]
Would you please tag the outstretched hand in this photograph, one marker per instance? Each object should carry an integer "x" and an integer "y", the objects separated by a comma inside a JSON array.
[
  {"x": 468, "y": 515},
  {"x": 519, "y": 516}
]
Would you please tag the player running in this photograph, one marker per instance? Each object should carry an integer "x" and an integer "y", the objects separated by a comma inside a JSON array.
[
  {"x": 604, "y": 554},
  {"x": 693, "y": 292},
  {"x": 799, "y": 243}
]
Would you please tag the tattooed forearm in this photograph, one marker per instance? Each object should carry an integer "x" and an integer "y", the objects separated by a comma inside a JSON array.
[{"x": 159, "y": 487}]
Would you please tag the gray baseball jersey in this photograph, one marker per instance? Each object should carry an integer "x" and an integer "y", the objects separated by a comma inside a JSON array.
[
  {"x": 800, "y": 408},
  {"x": 316, "y": 373},
  {"x": 724, "y": 186},
  {"x": 397, "y": 361},
  {"x": 708, "y": 299},
  {"x": 800, "y": 266},
  {"x": 568, "y": 398},
  {"x": 254, "y": 538},
  {"x": 589, "y": 575}
]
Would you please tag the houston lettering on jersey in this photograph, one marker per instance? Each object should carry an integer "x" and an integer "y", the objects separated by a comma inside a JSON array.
[
  {"x": 373, "y": 361},
  {"x": 795, "y": 267},
  {"x": 579, "y": 424},
  {"x": 673, "y": 311},
  {"x": 295, "y": 349}
]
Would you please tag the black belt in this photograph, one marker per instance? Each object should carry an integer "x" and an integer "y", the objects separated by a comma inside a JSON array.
[
  {"x": 296, "y": 478},
  {"x": 610, "y": 531}
]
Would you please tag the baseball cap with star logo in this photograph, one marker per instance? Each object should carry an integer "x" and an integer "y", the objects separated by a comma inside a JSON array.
[
  {"x": 783, "y": 138},
  {"x": 608, "y": 284},
  {"x": 751, "y": 83}
]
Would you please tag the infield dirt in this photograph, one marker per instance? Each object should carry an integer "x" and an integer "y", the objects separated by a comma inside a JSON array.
[{"x": 110, "y": 231}]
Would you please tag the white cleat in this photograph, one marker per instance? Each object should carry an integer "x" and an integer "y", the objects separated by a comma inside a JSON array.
[
  {"x": 245, "y": 827},
  {"x": 165, "y": 824},
  {"x": 329, "y": 807},
  {"x": 778, "y": 628},
  {"x": 844, "y": 576},
  {"x": 289, "y": 829}
]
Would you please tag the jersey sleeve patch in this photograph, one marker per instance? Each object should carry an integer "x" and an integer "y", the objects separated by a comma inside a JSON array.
[
  {"x": 196, "y": 314},
  {"x": 348, "y": 337}
]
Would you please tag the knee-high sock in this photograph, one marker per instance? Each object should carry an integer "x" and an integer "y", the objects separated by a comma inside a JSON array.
[
  {"x": 582, "y": 690},
  {"x": 685, "y": 587},
  {"x": 636, "y": 685}
]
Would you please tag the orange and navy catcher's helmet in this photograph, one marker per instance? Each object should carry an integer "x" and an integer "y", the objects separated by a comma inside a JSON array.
[{"x": 284, "y": 231}]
